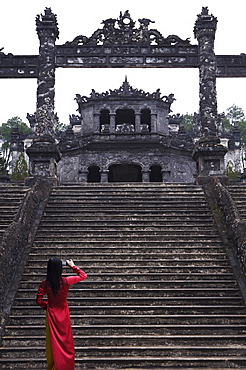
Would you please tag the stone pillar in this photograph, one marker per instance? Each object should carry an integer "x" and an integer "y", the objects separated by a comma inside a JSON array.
[
  {"x": 137, "y": 123},
  {"x": 145, "y": 175},
  {"x": 97, "y": 128},
  {"x": 166, "y": 175},
  {"x": 104, "y": 176},
  {"x": 153, "y": 123},
  {"x": 32, "y": 122},
  {"x": 112, "y": 123},
  {"x": 209, "y": 153},
  {"x": 43, "y": 153},
  {"x": 16, "y": 147},
  {"x": 43, "y": 159},
  {"x": 83, "y": 176},
  {"x": 204, "y": 30},
  {"x": 47, "y": 30}
]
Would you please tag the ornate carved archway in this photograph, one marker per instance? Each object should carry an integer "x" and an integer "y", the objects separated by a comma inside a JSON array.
[
  {"x": 120, "y": 43},
  {"x": 125, "y": 173}
]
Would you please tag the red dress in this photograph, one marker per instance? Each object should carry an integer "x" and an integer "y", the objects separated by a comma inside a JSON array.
[{"x": 58, "y": 318}]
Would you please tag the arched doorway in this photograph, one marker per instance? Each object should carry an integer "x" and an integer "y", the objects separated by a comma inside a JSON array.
[
  {"x": 104, "y": 120},
  {"x": 125, "y": 120},
  {"x": 155, "y": 173},
  {"x": 125, "y": 173},
  {"x": 94, "y": 174},
  {"x": 145, "y": 120}
]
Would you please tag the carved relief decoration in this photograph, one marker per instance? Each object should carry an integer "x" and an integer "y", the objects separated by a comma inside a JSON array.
[
  {"x": 123, "y": 31},
  {"x": 204, "y": 31},
  {"x": 125, "y": 91},
  {"x": 48, "y": 32}
]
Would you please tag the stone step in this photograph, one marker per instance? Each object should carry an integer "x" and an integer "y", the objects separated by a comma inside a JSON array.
[
  {"x": 130, "y": 319},
  {"x": 8, "y": 215},
  {"x": 79, "y": 226},
  {"x": 152, "y": 271},
  {"x": 103, "y": 227},
  {"x": 129, "y": 233},
  {"x": 175, "y": 223},
  {"x": 160, "y": 292},
  {"x": 135, "y": 363},
  {"x": 160, "y": 351},
  {"x": 167, "y": 218},
  {"x": 137, "y": 206},
  {"x": 130, "y": 330},
  {"x": 74, "y": 200},
  {"x": 128, "y": 241},
  {"x": 128, "y": 292},
  {"x": 5, "y": 221},
  {"x": 125, "y": 245},
  {"x": 134, "y": 340},
  {"x": 114, "y": 277},
  {"x": 177, "y": 208},
  {"x": 76, "y": 220},
  {"x": 6, "y": 193},
  {"x": 123, "y": 240},
  {"x": 128, "y": 250},
  {"x": 158, "y": 264},
  {"x": 143, "y": 300},
  {"x": 131, "y": 262},
  {"x": 145, "y": 284},
  {"x": 217, "y": 308},
  {"x": 131, "y": 191},
  {"x": 137, "y": 186},
  {"x": 9, "y": 206},
  {"x": 129, "y": 203},
  {"x": 83, "y": 255},
  {"x": 99, "y": 202},
  {"x": 133, "y": 187}
]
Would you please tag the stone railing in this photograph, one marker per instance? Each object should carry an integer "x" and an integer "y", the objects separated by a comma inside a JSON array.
[
  {"x": 17, "y": 241},
  {"x": 230, "y": 224}
]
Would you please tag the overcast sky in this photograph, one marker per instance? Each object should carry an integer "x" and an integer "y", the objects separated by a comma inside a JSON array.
[{"x": 77, "y": 17}]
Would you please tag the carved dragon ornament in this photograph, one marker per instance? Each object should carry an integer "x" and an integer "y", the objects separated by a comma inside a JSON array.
[{"x": 122, "y": 31}]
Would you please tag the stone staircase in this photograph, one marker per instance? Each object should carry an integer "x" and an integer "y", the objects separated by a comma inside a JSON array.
[
  {"x": 238, "y": 193},
  {"x": 160, "y": 293},
  {"x": 11, "y": 196}
]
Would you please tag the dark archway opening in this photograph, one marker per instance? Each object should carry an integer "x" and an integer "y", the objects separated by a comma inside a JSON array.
[
  {"x": 125, "y": 116},
  {"x": 125, "y": 120},
  {"x": 145, "y": 119},
  {"x": 125, "y": 173},
  {"x": 155, "y": 173},
  {"x": 104, "y": 120},
  {"x": 94, "y": 174}
]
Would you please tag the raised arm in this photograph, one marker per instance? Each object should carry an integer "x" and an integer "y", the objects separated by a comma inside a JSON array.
[
  {"x": 81, "y": 275},
  {"x": 40, "y": 294}
]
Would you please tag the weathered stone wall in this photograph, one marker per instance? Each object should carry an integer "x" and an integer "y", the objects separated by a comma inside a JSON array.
[
  {"x": 16, "y": 244},
  {"x": 230, "y": 224},
  {"x": 176, "y": 166}
]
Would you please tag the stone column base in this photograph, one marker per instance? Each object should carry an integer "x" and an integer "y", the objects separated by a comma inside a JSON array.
[
  {"x": 43, "y": 158},
  {"x": 209, "y": 156}
]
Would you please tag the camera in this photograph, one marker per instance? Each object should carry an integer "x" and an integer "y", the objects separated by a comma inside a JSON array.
[{"x": 64, "y": 263}]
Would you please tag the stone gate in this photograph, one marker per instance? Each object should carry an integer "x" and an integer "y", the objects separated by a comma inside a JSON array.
[{"x": 122, "y": 43}]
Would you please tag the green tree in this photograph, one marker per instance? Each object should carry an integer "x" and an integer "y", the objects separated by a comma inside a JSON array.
[
  {"x": 235, "y": 114},
  {"x": 61, "y": 127},
  {"x": 5, "y": 134},
  {"x": 236, "y": 117},
  {"x": 188, "y": 121},
  {"x": 20, "y": 171},
  {"x": 3, "y": 165},
  {"x": 231, "y": 172}
]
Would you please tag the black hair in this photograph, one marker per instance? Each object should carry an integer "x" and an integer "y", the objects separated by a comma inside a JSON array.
[{"x": 54, "y": 272}]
